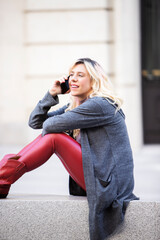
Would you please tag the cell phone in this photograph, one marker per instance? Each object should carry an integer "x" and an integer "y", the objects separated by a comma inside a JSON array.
[{"x": 65, "y": 86}]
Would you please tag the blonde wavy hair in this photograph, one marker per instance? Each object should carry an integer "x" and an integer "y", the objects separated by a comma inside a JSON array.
[{"x": 101, "y": 85}]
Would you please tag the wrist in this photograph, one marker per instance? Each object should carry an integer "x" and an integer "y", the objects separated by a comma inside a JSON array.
[{"x": 52, "y": 92}]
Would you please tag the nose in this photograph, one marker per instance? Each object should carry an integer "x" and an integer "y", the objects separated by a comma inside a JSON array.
[{"x": 73, "y": 78}]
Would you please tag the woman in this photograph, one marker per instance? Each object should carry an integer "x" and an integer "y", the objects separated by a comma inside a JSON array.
[{"x": 97, "y": 154}]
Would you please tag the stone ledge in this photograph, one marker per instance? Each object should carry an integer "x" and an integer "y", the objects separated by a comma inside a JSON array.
[{"x": 48, "y": 217}]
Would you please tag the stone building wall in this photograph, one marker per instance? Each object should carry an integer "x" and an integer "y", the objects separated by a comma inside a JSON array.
[{"x": 40, "y": 39}]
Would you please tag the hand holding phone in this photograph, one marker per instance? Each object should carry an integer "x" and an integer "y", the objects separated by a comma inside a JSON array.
[{"x": 65, "y": 85}]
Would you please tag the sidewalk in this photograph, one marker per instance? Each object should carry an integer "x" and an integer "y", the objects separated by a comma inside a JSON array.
[
  {"x": 147, "y": 173},
  {"x": 52, "y": 178}
]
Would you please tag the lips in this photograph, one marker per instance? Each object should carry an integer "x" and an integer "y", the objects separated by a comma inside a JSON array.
[{"x": 74, "y": 86}]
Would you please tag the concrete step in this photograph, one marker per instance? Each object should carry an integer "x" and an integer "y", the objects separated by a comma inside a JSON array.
[{"x": 48, "y": 217}]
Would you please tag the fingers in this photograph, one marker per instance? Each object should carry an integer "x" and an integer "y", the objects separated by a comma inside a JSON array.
[
  {"x": 56, "y": 87},
  {"x": 63, "y": 79}
]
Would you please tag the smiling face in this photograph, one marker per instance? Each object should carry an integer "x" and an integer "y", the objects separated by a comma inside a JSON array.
[{"x": 80, "y": 82}]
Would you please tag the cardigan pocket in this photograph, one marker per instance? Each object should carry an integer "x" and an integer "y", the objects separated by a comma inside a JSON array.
[
  {"x": 106, "y": 191},
  {"x": 105, "y": 183}
]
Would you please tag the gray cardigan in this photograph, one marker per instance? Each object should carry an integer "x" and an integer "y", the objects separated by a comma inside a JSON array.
[{"x": 106, "y": 153}]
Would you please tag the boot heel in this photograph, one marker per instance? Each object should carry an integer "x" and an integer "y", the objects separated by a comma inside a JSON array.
[
  {"x": 4, "y": 189},
  {"x": 10, "y": 171}
]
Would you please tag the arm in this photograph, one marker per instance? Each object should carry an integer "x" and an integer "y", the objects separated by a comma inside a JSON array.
[
  {"x": 92, "y": 113},
  {"x": 40, "y": 113}
]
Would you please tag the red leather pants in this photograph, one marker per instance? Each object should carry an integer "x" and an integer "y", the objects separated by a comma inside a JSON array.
[{"x": 66, "y": 148}]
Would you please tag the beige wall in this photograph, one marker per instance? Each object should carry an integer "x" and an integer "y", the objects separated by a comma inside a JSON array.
[
  {"x": 12, "y": 82},
  {"x": 58, "y": 32},
  {"x": 127, "y": 65},
  {"x": 40, "y": 39}
]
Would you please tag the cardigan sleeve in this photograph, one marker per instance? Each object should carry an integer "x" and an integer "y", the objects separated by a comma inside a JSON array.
[
  {"x": 94, "y": 112},
  {"x": 40, "y": 113}
]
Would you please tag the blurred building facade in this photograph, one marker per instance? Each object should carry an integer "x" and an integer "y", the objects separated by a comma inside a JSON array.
[{"x": 40, "y": 39}]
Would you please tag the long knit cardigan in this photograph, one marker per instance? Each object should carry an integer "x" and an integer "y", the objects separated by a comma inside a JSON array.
[{"x": 106, "y": 154}]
